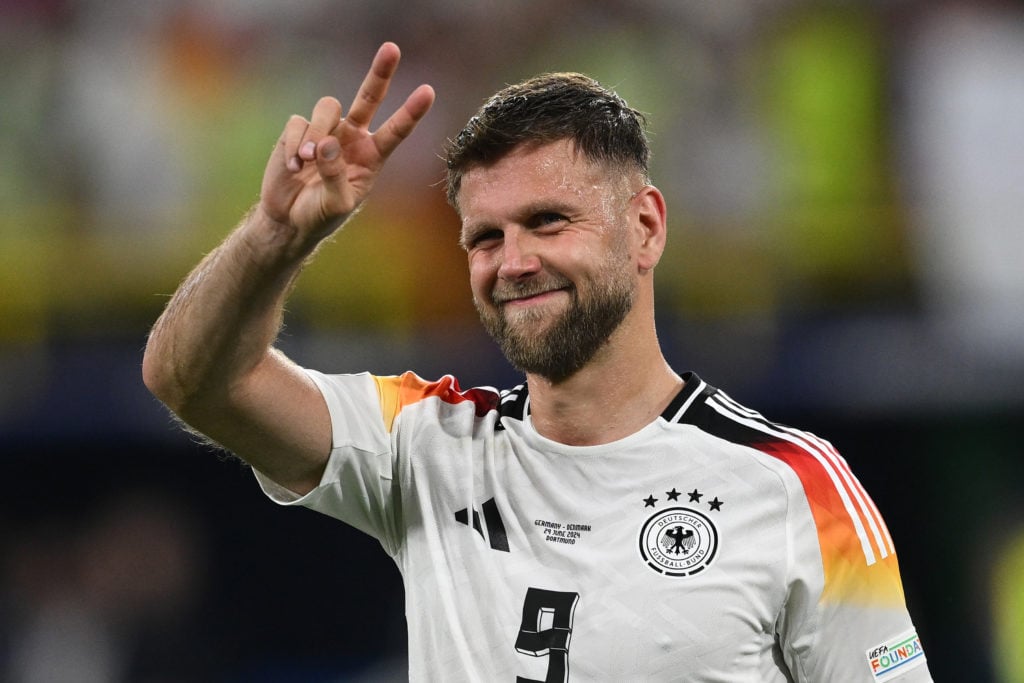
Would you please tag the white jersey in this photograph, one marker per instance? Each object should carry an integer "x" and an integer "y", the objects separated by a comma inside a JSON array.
[{"x": 711, "y": 545}]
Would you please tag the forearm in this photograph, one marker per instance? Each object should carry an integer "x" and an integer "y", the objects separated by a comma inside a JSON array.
[
  {"x": 210, "y": 356},
  {"x": 221, "y": 322}
]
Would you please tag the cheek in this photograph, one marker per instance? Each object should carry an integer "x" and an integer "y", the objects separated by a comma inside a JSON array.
[{"x": 481, "y": 277}]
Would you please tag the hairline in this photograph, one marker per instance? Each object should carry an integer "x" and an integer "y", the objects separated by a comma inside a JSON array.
[{"x": 609, "y": 166}]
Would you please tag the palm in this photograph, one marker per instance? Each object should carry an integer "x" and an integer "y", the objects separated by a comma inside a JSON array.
[{"x": 307, "y": 201}]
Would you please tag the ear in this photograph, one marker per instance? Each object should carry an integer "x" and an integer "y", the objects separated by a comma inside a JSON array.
[{"x": 650, "y": 217}]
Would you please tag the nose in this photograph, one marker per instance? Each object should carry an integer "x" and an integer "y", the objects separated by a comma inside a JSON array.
[{"x": 518, "y": 256}]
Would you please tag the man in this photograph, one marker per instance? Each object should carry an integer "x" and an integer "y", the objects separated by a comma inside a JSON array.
[{"x": 607, "y": 520}]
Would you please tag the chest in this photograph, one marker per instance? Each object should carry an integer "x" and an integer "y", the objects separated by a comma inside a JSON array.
[{"x": 647, "y": 559}]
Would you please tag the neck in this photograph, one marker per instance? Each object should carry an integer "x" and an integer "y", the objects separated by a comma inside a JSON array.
[{"x": 623, "y": 389}]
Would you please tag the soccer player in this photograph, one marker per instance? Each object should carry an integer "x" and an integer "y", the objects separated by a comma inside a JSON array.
[{"x": 608, "y": 519}]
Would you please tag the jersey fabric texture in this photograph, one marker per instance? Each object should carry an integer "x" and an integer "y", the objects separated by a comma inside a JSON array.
[{"x": 711, "y": 545}]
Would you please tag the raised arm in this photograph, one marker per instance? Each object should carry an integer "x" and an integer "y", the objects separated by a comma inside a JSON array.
[{"x": 210, "y": 356}]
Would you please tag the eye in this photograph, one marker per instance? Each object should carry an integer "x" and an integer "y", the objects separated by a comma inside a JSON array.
[
  {"x": 547, "y": 218},
  {"x": 483, "y": 239}
]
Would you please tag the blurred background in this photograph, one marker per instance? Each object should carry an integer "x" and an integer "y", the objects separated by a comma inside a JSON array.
[{"x": 847, "y": 229}]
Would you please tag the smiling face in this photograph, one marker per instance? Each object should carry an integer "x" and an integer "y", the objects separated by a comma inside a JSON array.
[{"x": 551, "y": 255}]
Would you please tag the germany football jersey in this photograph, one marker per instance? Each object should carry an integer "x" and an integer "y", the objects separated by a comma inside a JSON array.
[{"x": 711, "y": 545}]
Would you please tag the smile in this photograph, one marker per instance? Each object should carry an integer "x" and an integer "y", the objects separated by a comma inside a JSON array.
[{"x": 525, "y": 298}]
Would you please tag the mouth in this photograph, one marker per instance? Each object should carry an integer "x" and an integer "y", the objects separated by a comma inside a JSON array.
[
  {"x": 524, "y": 298},
  {"x": 529, "y": 291}
]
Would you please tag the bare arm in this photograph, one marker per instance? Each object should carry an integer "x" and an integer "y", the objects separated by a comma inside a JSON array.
[{"x": 210, "y": 356}]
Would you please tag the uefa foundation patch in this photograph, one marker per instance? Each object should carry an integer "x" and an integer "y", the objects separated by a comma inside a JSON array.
[{"x": 895, "y": 656}]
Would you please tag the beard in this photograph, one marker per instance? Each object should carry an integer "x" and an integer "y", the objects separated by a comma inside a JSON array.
[{"x": 573, "y": 338}]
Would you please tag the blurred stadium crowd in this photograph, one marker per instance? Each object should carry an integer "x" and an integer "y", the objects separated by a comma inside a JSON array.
[{"x": 845, "y": 198}]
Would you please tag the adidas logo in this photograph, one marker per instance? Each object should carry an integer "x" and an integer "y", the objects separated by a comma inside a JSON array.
[{"x": 495, "y": 535}]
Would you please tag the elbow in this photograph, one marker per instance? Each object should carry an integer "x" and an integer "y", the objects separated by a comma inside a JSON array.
[
  {"x": 190, "y": 387},
  {"x": 160, "y": 379},
  {"x": 153, "y": 375}
]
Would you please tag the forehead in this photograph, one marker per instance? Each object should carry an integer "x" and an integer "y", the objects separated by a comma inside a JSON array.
[{"x": 532, "y": 173}]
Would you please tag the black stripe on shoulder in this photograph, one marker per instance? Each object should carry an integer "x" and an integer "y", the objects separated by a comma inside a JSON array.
[
  {"x": 512, "y": 404},
  {"x": 694, "y": 391},
  {"x": 693, "y": 406}
]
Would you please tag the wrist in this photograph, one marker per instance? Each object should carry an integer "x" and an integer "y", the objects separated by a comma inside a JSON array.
[{"x": 271, "y": 243}]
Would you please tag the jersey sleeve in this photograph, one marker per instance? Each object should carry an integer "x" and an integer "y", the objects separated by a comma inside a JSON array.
[
  {"x": 375, "y": 422},
  {"x": 356, "y": 486},
  {"x": 845, "y": 617}
]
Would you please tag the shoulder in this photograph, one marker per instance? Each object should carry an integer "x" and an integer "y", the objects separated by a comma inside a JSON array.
[
  {"x": 409, "y": 388},
  {"x": 842, "y": 510},
  {"x": 711, "y": 410},
  {"x": 714, "y": 412},
  {"x": 399, "y": 393}
]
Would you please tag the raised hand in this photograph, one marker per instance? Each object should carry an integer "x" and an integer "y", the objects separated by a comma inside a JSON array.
[{"x": 323, "y": 168}]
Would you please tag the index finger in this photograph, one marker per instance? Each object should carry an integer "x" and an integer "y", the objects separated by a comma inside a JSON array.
[{"x": 374, "y": 86}]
